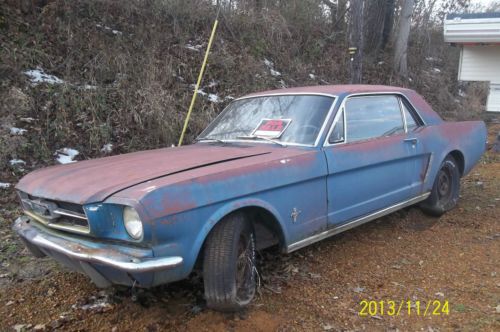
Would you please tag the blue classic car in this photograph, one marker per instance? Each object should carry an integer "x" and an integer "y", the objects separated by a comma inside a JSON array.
[{"x": 287, "y": 167}]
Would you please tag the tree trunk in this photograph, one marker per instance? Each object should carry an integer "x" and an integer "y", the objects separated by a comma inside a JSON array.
[
  {"x": 356, "y": 40},
  {"x": 373, "y": 25},
  {"x": 340, "y": 14},
  {"x": 388, "y": 22},
  {"x": 401, "y": 47}
]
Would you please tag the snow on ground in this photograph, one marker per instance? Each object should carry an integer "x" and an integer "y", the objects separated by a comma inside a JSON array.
[
  {"x": 17, "y": 162},
  {"x": 274, "y": 72},
  {"x": 312, "y": 76},
  {"x": 191, "y": 47},
  {"x": 436, "y": 70},
  {"x": 17, "y": 131},
  {"x": 88, "y": 87},
  {"x": 213, "y": 98},
  {"x": 27, "y": 120},
  {"x": 66, "y": 155},
  {"x": 113, "y": 31},
  {"x": 37, "y": 76},
  {"x": 4, "y": 185},
  {"x": 107, "y": 148},
  {"x": 270, "y": 65}
]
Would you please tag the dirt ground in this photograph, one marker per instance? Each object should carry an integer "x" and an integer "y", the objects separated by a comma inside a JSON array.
[{"x": 404, "y": 256}]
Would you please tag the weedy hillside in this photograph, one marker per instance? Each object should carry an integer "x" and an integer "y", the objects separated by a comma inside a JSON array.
[{"x": 83, "y": 79}]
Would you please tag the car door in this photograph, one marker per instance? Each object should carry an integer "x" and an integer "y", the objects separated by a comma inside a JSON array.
[
  {"x": 369, "y": 158},
  {"x": 416, "y": 138}
]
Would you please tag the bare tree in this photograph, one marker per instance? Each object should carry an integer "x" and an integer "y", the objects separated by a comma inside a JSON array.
[
  {"x": 388, "y": 22},
  {"x": 403, "y": 32},
  {"x": 356, "y": 40}
]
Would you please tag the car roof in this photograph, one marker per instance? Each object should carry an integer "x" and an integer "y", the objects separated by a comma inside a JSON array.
[{"x": 333, "y": 89}]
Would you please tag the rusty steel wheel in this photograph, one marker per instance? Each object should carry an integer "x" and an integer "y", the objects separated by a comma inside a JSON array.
[
  {"x": 445, "y": 191},
  {"x": 229, "y": 271}
]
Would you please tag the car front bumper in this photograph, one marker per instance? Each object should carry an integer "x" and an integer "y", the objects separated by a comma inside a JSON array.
[{"x": 104, "y": 263}]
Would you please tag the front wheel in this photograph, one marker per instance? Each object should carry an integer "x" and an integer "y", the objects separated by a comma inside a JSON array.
[
  {"x": 229, "y": 271},
  {"x": 445, "y": 191}
]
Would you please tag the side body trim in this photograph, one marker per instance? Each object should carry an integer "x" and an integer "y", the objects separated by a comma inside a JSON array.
[{"x": 356, "y": 222}]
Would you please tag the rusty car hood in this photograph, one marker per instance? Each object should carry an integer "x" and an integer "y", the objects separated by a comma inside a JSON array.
[{"x": 94, "y": 180}]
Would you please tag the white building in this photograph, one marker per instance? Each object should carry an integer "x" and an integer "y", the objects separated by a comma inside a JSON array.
[{"x": 478, "y": 35}]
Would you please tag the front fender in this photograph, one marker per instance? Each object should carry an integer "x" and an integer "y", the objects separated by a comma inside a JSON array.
[{"x": 227, "y": 209}]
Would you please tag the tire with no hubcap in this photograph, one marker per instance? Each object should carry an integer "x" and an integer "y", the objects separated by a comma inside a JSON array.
[
  {"x": 229, "y": 271},
  {"x": 445, "y": 191}
]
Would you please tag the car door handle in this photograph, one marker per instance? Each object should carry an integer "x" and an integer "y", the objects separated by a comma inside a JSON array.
[{"x": 412, "y": 140}]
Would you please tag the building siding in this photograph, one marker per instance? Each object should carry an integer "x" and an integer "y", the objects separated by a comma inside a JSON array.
[
  {"x": 493, "y": 104},
  {"x": 480, "y": 63}
]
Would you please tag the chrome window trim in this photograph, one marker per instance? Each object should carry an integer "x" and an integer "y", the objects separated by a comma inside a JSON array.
[
  {"x": 403, "y": 114},
  {"x": 360, "y": 94},
  {"x": 320, "y": 133}
]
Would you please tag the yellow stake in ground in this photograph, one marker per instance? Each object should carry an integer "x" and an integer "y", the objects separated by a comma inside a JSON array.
[{"x": 197, "y": 87}]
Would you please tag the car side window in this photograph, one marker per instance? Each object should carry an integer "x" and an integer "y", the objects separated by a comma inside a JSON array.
[
  {"x": 370, "y": 117},
  {"x": 337, "y": 134}
]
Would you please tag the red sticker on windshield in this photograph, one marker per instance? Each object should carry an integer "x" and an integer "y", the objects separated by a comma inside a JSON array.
[{"x": 273, "y": 128}]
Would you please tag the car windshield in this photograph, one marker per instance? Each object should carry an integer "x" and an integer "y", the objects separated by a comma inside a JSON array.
[{"x": 295, "y": 119}]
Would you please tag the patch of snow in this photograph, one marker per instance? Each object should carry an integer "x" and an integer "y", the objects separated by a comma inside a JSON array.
[
  {"x": 283, "y": 84},
  {"x": 274, "y": 73},
  {"x": 27, "y": 120},
  {"x": 88, "y": 87},
  {"x": 113, "y": 31},
  {"x": 107, "y": 148},
  {"x": 4, "y": 185},
  {"x": 213, "y": 84},
  {"x": 229, "y": 98},
  {"x": 17, "y": 162},
  {"x": 430, "y": 59},
  {"x": 312, "y": 76},
  {"x": 66, "y": 155},
  {"x": 201, "y": 92},
  {"x": 462, "y": 93},
  {"x": 268, "y": 63},
  {"x": 213, "y": 98},
  {"x": 180, "y": 78},
  {"x": 17, "y": 131},
  {"x": 380, "y": 63},
  {"x": 37, "y": 76},
  {"x": 436, "y": 70},
  {"x": 191, "y": 47}
]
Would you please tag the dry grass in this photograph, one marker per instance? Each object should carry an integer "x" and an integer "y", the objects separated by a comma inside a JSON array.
[{"x": 143, "y": 73}]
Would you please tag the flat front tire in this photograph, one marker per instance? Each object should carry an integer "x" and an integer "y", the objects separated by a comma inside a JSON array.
[
  {"x": 229, "y": 271},
  {"x": 445, "y": 191}
]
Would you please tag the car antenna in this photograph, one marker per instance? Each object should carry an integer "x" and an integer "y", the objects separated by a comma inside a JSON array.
[{"x": 200, "y": 77}]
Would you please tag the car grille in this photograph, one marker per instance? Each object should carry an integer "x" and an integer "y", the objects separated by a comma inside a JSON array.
[{"x": 59, "y": 215}]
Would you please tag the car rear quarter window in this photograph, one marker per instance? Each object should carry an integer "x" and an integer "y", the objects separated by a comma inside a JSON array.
[
  {"x": 412, "y": 121},
  {"x": 370, "y": 117}
]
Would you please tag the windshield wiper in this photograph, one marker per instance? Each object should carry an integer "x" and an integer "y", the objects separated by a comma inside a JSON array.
[
  {"x": 262, "y": 138},
  {"x": 208, "y": 138}
]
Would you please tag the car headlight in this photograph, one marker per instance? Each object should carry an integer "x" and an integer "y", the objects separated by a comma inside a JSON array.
[{"x": 132, "y": 222}]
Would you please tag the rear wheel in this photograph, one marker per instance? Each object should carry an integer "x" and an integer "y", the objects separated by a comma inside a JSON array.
[
  {"x": 445, "y": 191},
  {"x": 229, "y": 271}
]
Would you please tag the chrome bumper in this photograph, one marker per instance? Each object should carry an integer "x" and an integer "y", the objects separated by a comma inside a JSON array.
[{"x": 122, "y": 258}]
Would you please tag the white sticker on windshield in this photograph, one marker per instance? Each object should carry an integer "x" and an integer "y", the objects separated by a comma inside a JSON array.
[{"x": 272, "y": 128}]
